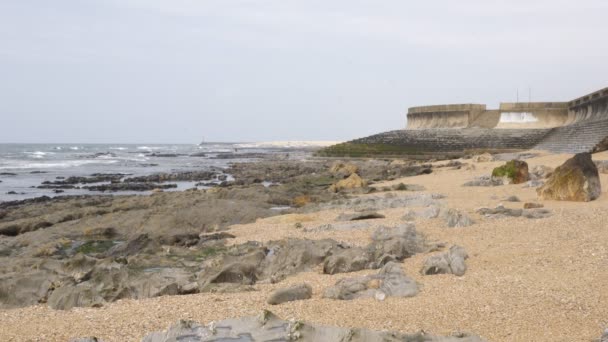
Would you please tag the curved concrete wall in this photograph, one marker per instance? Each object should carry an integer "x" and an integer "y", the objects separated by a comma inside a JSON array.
[
  {"x": 589, "y": 107},
  {"x": 534, "y": 115},
  {"x": 443, "y": 116}
]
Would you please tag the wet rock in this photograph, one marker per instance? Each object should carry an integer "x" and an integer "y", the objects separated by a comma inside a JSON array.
[
  {"x": 485, "y": 181},
  {"x": 268, "y": 327},
  {"x": 290, "y": 294},
  {"x": 354, "y": 181},
  {"x": 450, "y": 262},
  {"x": 390, "y": 281},
  {"x": 514, "y": 172},
  {"x": 166, "y": 155},
  {"x": 455, "y": 218},
  {"x": 198, "y": 154},
  {"x": 575, "y": 180},
  {"x": 112, "y": 187},
  {"x": 190, "y": 176},
  {"x": 365, "y": 215}
]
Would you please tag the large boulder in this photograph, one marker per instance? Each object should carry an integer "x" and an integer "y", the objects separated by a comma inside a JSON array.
[
  {"x": 575, "y": 180},
  {"x": 353, "y": 181},
  {"x": 514, "y": 172}
]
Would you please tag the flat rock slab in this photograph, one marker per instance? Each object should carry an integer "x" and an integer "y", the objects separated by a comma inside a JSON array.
[
  {"x": 390, "y": 281},
  {"x": 268, "y": 327},
  {"x": 290, "y": 294},
  {"x": 503, "y": 212},
  {"x": 364, "y": 215}
]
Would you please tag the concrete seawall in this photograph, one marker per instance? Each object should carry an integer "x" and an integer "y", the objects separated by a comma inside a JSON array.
[
  {"x": 517, "y": 115},
  {"x": 580, "y": 125},
  {"x": 591, "y": 107}
]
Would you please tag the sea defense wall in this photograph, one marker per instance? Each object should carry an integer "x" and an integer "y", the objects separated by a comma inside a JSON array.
[
  {"x": 443, "y": 116},
  {"x": 516, "y": 115},
  {"x": 532, "y": 114},
  {"x": 590, "y": 107}
]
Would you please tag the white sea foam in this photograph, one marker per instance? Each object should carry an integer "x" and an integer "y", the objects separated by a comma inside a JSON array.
[
  {"x": 118, "y": 148},
  {"x": 37, "y": 154},
  {"x": 148, "y": 148},
  {"x": 13, "y": 165}
]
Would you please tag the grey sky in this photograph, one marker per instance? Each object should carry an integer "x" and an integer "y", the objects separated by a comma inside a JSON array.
[{"x": 178, "y": 70}]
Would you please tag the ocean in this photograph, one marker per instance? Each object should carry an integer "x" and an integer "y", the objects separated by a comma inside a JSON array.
[{"x": 23, "y": 167}]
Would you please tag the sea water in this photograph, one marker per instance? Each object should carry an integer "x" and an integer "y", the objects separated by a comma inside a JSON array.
[{"x": 25, "y": 166}]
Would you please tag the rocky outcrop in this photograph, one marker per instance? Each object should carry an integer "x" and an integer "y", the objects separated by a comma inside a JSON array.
[
  {"x": 575, "y": 180},
  {"x": 390, "y": 281},
  {"x": 343, "y": 169},
  {"x": 268, "y": 327},
  {"x": 354, "y": 181},
  {"x": 290, "y": 294},
  {"x": 455, "y": 218},
  {"x": 450, "y": 262},
  {"x": 514, "y": 172}
]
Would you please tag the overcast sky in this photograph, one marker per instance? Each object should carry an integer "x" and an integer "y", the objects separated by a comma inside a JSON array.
[{"x": 228, "y": 70}]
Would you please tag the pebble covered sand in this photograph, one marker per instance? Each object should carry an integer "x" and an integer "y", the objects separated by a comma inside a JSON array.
[{"x": 527, "y": 280}]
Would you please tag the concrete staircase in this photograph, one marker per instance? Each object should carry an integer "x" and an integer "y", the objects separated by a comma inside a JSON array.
[
  {"x": 458, "y": 140},
  {"x": 583, "y": 136}
]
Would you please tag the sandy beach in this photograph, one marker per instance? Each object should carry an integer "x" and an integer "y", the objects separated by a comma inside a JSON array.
[{"x": 527, "y": 279}]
